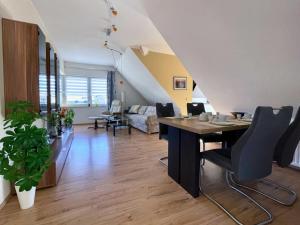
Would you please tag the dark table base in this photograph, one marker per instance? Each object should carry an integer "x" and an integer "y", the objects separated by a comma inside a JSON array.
[{"x": 184, "y": 157}]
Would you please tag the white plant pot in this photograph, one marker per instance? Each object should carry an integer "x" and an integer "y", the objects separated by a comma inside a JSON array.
[{"x": 26, "y": 198}]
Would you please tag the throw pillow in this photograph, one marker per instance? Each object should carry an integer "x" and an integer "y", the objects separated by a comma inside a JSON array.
[
  {"x": 151, "y": 111},
  {"x": 142, "y": 110},
  {"x": 134, "y": 109}
]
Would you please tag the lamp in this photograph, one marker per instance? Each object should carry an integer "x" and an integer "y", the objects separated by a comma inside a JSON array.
[
  {"x": 114, "y": 12},
  {"x": 114, "y": 28}
]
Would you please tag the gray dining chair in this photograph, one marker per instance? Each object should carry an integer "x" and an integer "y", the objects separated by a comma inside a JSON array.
[
  {"x": 250, "y": 158},
  {"x": 283, "y": 156},
  {"x": 166, "y": 110},
  {"x": 196, "y": 109}
]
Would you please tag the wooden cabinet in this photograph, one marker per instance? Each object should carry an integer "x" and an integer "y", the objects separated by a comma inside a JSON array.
[
  {"x": 31, "y": 73},
  {"x": 61, "y": 147},
  {"x": 21, "y": 61},
  {"x": 30, "y": 66}
]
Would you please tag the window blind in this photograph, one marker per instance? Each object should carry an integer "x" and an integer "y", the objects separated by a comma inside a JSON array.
[
  {"x": 98, "y": 91},
  {"x": 76, "y": 89}
]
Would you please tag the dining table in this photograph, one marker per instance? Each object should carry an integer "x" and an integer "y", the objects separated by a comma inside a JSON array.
[{"x": 184, "y": 147}]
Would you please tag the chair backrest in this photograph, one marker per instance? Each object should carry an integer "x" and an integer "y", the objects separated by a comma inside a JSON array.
[
  {"x": 252, "y": 155},
  {"x": 195, "y": 108},
  {"x": 115, "y": 107},
  {"x": 287, "y": 144},
  {"x": 165, "y": 110}
]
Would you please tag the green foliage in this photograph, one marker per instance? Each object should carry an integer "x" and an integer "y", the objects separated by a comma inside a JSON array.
[
  {"x": 69, "y": 117},
  {"x": 53, "y": 119},
  {"x": 20, "y": 114},
  {"x": 25, "y": 155}
]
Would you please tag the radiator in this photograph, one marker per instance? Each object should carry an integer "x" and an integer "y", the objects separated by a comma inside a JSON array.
[{"x": 296, "y": 161}]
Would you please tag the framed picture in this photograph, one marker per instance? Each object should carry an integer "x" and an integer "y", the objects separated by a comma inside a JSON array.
[{"x": 179, "y": 83}]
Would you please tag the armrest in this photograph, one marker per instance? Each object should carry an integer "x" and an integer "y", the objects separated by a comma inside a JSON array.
[{"x": 152, "y": 119}]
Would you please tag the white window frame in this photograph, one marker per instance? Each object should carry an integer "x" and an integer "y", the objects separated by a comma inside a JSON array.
[{"x": 63, "y": 94}]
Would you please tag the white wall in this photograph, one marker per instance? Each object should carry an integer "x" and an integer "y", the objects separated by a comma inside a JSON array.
[
  {"x": 241, "y": 53},
  {"x": 132, "y": 96}
]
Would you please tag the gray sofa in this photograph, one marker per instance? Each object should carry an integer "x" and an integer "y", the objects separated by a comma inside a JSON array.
[{"x": 144, "y": 120}]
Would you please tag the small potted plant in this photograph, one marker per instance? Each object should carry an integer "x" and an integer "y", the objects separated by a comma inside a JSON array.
[
  {"x": 69, "y": 118},
  {"x": 53, "y": 123},
  {"x": 25, "y": 155}
]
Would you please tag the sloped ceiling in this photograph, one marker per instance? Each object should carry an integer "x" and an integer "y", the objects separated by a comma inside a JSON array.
[
  {"x": 78, "y": 28},
  {"x": 241, "y": 53},
  {"x": 136, "y": 73}
]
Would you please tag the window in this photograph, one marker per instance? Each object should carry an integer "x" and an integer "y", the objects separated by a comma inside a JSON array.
[
  {"x": 83, "y": 91},
  {"x": 52, "y": 90},
  {"x": 98, "y": 91},
  {"x": 43, "y": 90},
  {"x": 76, "y": 90}
]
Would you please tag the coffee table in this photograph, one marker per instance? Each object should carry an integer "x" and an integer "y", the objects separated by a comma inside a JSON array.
[
  {"x": 96, "y": 118},
  {"x": 118, "y": 122}
]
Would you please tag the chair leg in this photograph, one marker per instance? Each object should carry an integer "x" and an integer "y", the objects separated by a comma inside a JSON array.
[
  {"x": 228, "y": 176},
  {"x": 161, "y": 160},
  {"x": 276, "y": 185},
  {"x": 202, "y": 162}
]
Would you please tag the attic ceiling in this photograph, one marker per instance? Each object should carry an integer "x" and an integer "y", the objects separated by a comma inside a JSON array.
[
  {"x": 241, "y": 53},
  {"x": 78, "y": 28}
]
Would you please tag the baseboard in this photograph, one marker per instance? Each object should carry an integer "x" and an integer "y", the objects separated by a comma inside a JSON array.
[{"x": 5, "y": 201}]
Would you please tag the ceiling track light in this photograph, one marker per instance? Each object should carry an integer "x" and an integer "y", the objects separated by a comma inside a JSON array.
[
  {"x": 111, "y": 49},
  {"x": 114, "y": 28},
  {"x": 114, "y": 12}
]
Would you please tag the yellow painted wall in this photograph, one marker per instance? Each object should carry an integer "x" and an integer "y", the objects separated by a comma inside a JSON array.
[{"x": 163, "y": 67}]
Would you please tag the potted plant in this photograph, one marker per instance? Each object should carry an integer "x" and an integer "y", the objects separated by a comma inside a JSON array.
[
  {"x": 69, "y": 117},
  {"x": 25, "y": 154},
  {"x": 53, "y": 122}
]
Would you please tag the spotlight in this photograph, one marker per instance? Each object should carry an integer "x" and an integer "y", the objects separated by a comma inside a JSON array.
[
  {"x": 114, "y": 28},
  {"x": 113, "y": 11}
]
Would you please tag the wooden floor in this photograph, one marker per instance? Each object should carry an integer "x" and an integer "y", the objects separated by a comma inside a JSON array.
[{"x": 118, "y": 180}]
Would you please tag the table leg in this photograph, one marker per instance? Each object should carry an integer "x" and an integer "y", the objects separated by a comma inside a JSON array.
[
  {"x": 184, "y": 159},
  {"x": 174, "y": 153},
  {"x": 114, "y": 130},
  {"x": 106, "y": 126},
  {"x": 96, "y": 124},
  {"x": 129, "y": 129},
  {"x": 190, "y": 162}
]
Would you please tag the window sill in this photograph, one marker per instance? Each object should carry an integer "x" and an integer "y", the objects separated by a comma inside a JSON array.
[{"x": 83, "y": 106}]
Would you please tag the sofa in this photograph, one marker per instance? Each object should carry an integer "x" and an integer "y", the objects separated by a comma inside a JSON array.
[{"x": 143, "y": 118}]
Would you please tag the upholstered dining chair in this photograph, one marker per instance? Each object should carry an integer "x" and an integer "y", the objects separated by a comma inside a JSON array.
[
  {"x": 250, "y": 158},
  {"x": 196, "y": 109},
  {"x": 166, "y": 110},
  {"x": 283, "y": 156}
]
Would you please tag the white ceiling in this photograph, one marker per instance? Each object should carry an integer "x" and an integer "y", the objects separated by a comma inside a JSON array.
[
  {"x": 241, "y": 53},
  {"x": 77, "y": 28}
]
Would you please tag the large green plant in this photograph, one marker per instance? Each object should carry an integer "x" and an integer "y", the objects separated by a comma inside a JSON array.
[{"x": 25, "y": 154}]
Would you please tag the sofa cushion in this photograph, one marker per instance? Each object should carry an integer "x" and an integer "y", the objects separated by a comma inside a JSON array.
[
  {"x": 142, "y": 110},
  {"x": 151, "y": 111},
  {"x": 134, "y": 109}
]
